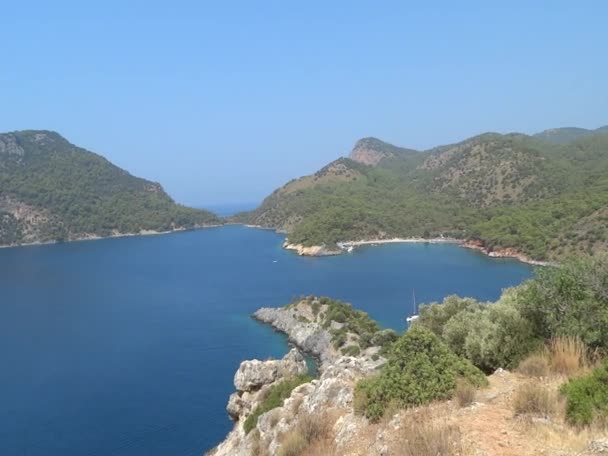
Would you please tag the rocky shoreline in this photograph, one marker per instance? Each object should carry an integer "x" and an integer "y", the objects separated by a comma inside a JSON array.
[
  {"x": 503, "y": 253},
  {"x": 313, "y": 250},
  {"x": 331, "y": 393},
  {"x": 348, "y": 246},
  {"x": 308, "y": 337}
]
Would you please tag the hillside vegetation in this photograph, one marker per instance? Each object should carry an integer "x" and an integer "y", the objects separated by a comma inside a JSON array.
[
  {"x": 543, "y": 198},
  {"x": 53, "y": 190}
]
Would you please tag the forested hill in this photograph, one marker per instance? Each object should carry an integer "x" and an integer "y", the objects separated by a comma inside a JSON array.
[
  {"x": 540, "y": 196},
  {"x": 567, "y": 134},
  {"x": 53, "y": 190}
]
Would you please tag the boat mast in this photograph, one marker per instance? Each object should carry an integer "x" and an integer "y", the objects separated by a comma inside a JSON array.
[{"x": 414, "y": 316}]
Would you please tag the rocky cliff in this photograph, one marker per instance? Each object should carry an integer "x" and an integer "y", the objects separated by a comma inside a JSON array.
[{"x": 326, "y": 400}]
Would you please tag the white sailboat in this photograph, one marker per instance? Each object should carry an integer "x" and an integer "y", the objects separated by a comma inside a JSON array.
[{"x": 412, "y": 318}]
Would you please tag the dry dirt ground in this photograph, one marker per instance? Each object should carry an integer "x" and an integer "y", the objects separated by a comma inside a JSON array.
[{"x": 487, "y": 427}]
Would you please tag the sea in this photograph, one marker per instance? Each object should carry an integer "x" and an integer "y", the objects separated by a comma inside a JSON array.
[{"x": 129, "y": 346}]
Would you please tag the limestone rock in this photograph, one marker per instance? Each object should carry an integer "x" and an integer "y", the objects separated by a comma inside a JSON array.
[
  {"x": 254, "y": 374},
  {"x": 310, "y": 337}
]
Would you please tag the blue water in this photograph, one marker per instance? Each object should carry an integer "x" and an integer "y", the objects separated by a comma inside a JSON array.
[{"x": 129, "y": 346}]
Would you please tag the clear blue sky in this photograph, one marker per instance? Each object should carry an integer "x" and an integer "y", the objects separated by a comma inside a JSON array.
[{"x": 224, "y": 101}]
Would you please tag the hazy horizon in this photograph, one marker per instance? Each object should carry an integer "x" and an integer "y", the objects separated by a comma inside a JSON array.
[{"x": 222, "y": 104}]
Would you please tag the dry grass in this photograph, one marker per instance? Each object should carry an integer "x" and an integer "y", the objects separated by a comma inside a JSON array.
[
  {"x": 535, "y": 365},
  {"x": 532, "y": 399},
  {"x": 293, "y": 445},
  {"x": 314, "y": 427},
  {"x": 568, "y": 355},
  {"x": 325, "y": 447},
  {"x": 556, "y": 436},
  {"x": 560, "y": 439},
  {"x": 360, "y": 402},
  {"x": 464, "y": 393},
  {"x": 311, "y": 431},
  {"x": 257, "y": 448},
  {"x": 297, "y": 402},
  {"x": 430, "y": 438},
  {"x": 274, "y": 419}
]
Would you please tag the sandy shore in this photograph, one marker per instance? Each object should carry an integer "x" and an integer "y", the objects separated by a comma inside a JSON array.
[
  {"x": 473, "y": 245},
  {"x": 348, "y": 246}
]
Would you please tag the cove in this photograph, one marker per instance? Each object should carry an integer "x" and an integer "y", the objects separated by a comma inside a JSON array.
[{"x": 128, "y": 346}]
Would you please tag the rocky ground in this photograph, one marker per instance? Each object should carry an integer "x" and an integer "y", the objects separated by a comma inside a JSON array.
[{"x": 318, "y": 417}]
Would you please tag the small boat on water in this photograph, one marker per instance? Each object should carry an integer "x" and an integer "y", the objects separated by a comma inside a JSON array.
[{"x": 414, "y": 316}]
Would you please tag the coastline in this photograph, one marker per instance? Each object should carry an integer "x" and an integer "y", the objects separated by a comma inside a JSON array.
[
  {"x": 94, "y": 237},
  {"x": 309, "y": 338},
  {"x": 348, "y": 246}
]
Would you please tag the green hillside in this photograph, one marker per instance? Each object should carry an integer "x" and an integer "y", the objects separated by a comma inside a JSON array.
[
  {"x": 567, "y": 134},
  {"x": 53, "y": 190},
  {"x": 507, "y": 191}
]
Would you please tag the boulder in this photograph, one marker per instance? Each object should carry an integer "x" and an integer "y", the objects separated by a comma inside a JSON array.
[{"x": 254, "y": 374}]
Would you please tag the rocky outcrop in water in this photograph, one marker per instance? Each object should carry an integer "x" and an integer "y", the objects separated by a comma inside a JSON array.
[
  {"x": 328, "y": 399},
  {"x": 308, "y": 336},
  {"x": 313, "y": 250}
]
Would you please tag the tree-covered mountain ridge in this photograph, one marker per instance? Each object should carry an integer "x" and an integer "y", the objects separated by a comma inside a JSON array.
[
  {"x": 52, "y": 190},
  {"x": 540, "y": 195}
]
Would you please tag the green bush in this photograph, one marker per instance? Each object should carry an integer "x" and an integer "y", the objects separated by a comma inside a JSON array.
[
  {"x": 587, "y": 397},
  {"x": 571, "y": 300},
  {"x": 355, "y": 321},
  {"x": 489, "y": 335},
  {"x": 274, "y": 398},
  {"x": 351, "y": 350},
  {"x": 420, "y": 369},
  {"x": 434, "y": 316},
  {"x": 384, "y": 338}
]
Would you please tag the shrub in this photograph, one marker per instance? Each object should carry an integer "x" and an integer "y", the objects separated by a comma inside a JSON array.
[
  {"x": 338, "y": 339},
  {"x": 535, "y": 365},
  {"x": 568, "y": 354},
  {"x": 434, "y": 316},
  {"x": 384, "y": 338},
  {"x": 420, "y": 369},
  {"x": 464, "y": 393},
  {"x": 587, "y": 397},
  {"x": 355, "y": 321},
  {"x": 489, "y": 335},
  {"x": 316, "y": 307},
  {"x": 571, "y": 300},
  {"x": 365, "y": 340},
  {"x": 534, "y": 399},
  {"x": 274, "y": 398},
  {"x": 351, "y": 350}
]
